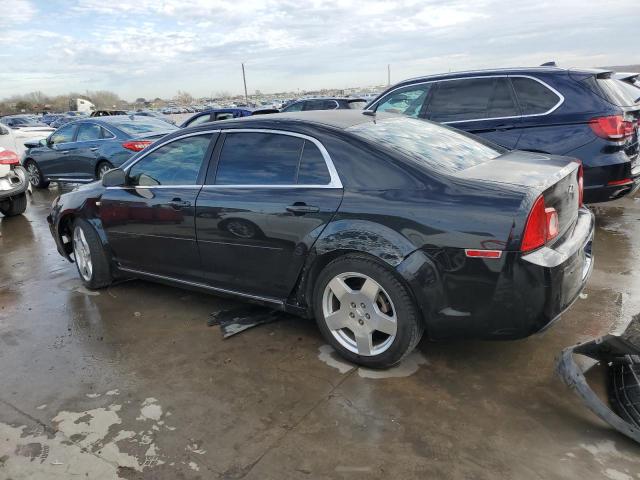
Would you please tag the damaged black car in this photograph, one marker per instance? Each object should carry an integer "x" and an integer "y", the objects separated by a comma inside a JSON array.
[{"x": 382, "y": 227}]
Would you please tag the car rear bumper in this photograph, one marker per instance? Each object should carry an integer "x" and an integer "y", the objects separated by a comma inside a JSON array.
[
  {"x": 13, "y": 183},
  {"x": 597, "y": 181},
  {"x": 511, "y": 297}
]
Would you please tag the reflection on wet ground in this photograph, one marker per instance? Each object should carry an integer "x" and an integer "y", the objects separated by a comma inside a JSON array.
[{"x": 129, "y": 382}]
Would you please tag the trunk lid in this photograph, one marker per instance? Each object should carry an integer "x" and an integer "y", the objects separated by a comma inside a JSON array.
[{"x": 555, "y": 177}]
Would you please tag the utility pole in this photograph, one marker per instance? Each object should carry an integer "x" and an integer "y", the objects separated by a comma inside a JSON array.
[
  {"x": 388, "y": 74},
  {"x": 244, "y": 79}
]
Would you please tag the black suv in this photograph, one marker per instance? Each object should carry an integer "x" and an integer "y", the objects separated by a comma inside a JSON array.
[{"x": 585, "y": 114}]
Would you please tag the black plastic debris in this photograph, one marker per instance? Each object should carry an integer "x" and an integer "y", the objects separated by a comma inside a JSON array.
[
  {"x": 239, "y": 319},
  {"x": 621, "y": 358}
]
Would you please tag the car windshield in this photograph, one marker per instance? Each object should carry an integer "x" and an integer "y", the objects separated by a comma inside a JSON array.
[
  {"x": 428, "y": 144},
  {"x": 140, "y": 125},
  {"x": 27, "y": 122}
]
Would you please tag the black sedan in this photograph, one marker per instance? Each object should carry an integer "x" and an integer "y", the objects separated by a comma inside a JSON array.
[
  {"x": 82, "y": 151},
  {"x": 382, "y": 227}
]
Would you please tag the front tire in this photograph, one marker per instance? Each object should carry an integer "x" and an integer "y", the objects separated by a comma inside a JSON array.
[
  {"x": 36, "y": 178},
  {"x": 14, "y": 205},
  {"x": 89, "y": 255},
  {"x": 103, "y": 167},
  {"x": 365, "y": 312}
]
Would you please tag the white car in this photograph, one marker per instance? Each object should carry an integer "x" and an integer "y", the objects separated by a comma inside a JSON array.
[
  {"x": 14, "y": 139},
  {"x": 13, "y": 184}
]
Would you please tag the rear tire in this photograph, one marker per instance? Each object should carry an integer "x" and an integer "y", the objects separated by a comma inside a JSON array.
[
  {"x": 102, "y": 168},
  {"x": 36, "y": 179},
  {"x": 89, "y": 255},
  {"x": 365, "y": 312},
  {"x": 14, "y": 205}
]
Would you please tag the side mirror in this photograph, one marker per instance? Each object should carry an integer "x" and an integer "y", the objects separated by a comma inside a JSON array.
[
  {"x": 114, "y": 178},
  {"x": 44, "y": 142}
]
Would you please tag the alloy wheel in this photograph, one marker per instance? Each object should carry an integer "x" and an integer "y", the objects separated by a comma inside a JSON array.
[
  {"x": 359, "y": 314},
  {"x": 103, "y": 169},
  {"x": 33, "y": 173},
  {"x": 82, "y": 254}
]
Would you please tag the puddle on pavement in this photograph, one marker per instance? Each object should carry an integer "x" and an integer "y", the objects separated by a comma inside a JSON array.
[
  {"x": 410, "y": 365},
  {"x": 81, "y": 437}
]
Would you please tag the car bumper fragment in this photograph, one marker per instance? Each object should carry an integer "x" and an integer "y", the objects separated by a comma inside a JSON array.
[
  {"x": 13, "y": 183},
  {"x": 611, "y": 351}
]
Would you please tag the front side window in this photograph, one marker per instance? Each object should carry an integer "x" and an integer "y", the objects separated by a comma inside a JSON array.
[
  {"x": 472, "y": 99},
  {"x": 356, "y": 104},
  {"x": 141, "y": 125},
  {"x": 64, "y": 135},
  {"x": 406, "y": 101},
  {"x": 294, "y": 107},
  {"x": 270, "y": 159},
  {"x": 176, "y": 163},
  {"x": 88, "y": 132},
  {"x": 198, "y": 120},
  {"x": 533, "y": 97}
]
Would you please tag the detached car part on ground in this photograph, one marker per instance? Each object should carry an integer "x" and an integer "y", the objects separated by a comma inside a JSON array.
[
  {"x": 620, "y": 357},
  {"x": 13, "y": 184},
  {"x": 381, "y": 227}
]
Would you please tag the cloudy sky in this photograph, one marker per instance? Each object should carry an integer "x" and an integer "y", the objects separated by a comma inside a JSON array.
[{"x": 155, "y": 47}]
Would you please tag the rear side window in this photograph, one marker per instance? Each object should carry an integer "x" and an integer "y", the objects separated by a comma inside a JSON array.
[
  {"x": 471, "y": 99},
  {"x": 534, "y": 98},
  {"x": 88, "y": 132},
  {"x": 294, "y": 107},
  {"x": 259, "y": 159},
  {"x": 176, "y": 163},
  {"x": 320, "y": 105},
  {"x": 406, "y": 101},
  {"x": 270, "y": 159},
  {"x": 431, "y": 146},
  {"x": 313, "y": 168}
]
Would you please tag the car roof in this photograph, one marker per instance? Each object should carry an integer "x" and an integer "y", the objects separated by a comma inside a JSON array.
[
  {"x": 338, "y": 119},
  {"x": 504, "y": 71}
]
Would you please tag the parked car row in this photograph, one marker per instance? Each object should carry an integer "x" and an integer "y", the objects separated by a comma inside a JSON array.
[{"x": 452, "y": 204}]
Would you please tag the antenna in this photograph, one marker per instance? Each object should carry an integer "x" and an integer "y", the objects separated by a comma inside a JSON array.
[{"x": 244, "y": 79}]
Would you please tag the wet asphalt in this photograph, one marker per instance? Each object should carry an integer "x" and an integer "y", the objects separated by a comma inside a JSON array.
[{"x": 130, "y": 382}]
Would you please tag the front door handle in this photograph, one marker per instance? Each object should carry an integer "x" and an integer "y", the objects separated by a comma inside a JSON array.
[
  {"x": 504, "y": 127},
  {"x": 301, "y": 209},
  {"x": 94, "y": 149},
  {"x": 178, "y": 204},
  {"x": 64, "y": 152}
]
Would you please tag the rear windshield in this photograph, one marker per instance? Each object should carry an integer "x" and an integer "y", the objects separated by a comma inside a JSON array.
[
  {"x": 428, "y": 144},
  {"x": 612, "y": 90},
  {"x": 141, "y": 125}
]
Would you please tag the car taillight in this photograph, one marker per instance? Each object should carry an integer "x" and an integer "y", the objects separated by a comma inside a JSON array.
[
  {"x": 137, "y": 146},
  {"x": 613, "y": 127},
  {"x": 7, "y": 157},
  {"x": 542, "y": 225},
  {"x": 624, "y": 181},
  {"x": 580, "y": 186}
]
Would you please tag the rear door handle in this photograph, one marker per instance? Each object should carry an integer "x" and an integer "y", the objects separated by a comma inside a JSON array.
[
  {"x": 301, "y": 209},
  {"x": 93, "y": 149},
  {"x": 178, "y": 204},
  {"x": 504, "y": 126},
  {"x": 64, "y": 152}
]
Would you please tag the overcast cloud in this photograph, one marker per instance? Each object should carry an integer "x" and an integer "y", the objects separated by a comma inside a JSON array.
[{"x": 155, "y": 47}]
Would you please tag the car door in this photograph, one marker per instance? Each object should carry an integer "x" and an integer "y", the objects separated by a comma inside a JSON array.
[
  {"x": 150, "y": 222},
  {"x": 484, "y": 106},
  {"x": 265, "y": 202},
  {"x": 83, "y": 159},
  {"x": 53, "y": 160}
]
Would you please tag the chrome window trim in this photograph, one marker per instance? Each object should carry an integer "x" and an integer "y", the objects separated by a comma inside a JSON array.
[
  {"x": 334, "y": 181},
  {"x": 551, "y": 110}
]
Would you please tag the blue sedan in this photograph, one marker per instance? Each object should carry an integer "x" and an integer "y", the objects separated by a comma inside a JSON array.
[{"x": 84, "y": 150}]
